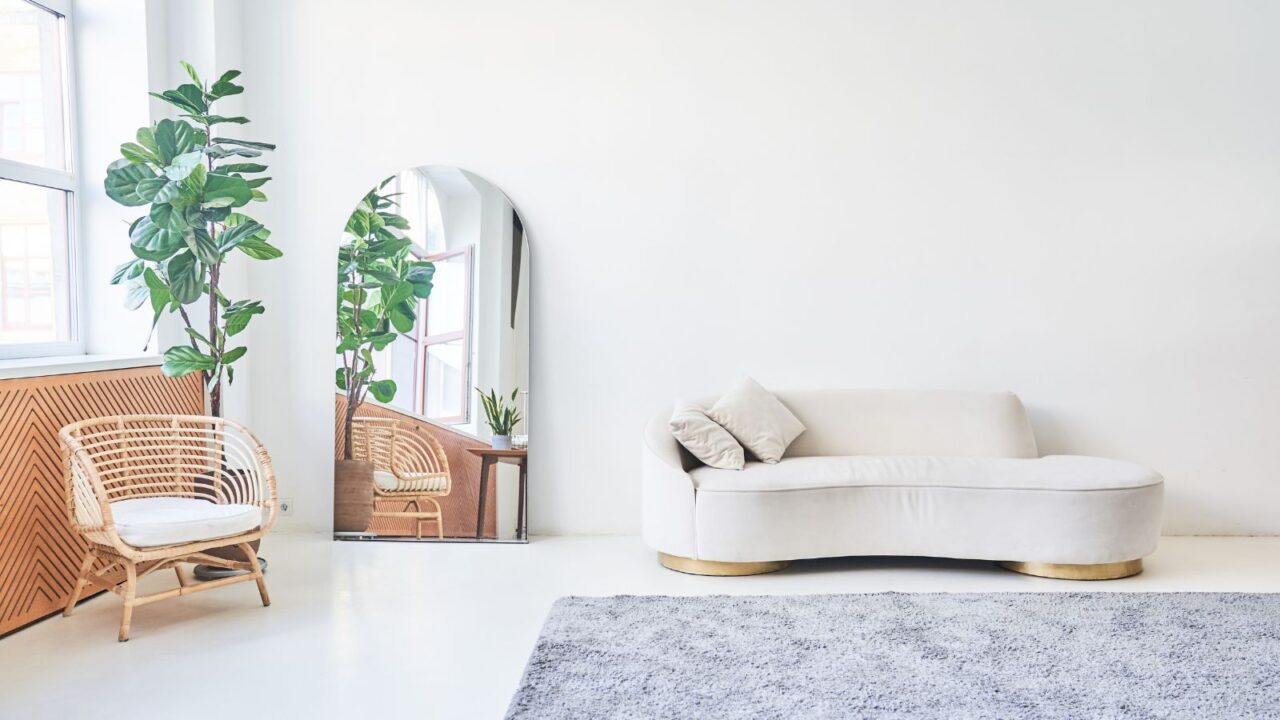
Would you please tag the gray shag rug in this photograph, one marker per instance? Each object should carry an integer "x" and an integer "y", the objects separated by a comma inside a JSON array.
[{"x": 907, "y": 655}]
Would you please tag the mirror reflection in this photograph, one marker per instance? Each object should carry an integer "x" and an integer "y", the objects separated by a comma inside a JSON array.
[{"x": 432, "y": 371}]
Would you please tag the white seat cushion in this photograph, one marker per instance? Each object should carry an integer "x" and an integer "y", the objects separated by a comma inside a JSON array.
[
  {"x": 1052, "y": 472},
  {"x": 425, "y": 482},
  {"x": 1060, "y": 509},
  {"x": 156, "y": 521}
]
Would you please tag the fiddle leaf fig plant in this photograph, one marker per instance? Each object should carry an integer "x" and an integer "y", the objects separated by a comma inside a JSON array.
[
  {"x": 380, "y": 282},
  {"x": 192, "y": 184}
]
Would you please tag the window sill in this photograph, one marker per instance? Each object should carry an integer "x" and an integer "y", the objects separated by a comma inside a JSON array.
[{"x": 68, "y": 364}]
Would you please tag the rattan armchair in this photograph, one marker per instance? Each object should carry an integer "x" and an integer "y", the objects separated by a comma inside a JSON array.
[
  {"x": 149, "y": 492},
  {"x": 409, "y": 466}
]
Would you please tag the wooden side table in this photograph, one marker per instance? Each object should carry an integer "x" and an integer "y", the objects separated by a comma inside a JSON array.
[{"x": 490, "y": 457}]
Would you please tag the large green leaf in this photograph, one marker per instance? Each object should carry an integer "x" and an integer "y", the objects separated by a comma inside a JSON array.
[
  {"x": 340, "y": 377},
  {"x": 158, "y": 291},
  {"x": 226, "y": 191},
  {"x": 183, "y": 165},
  {"x": 186, "y": 277},
  {"x": 184, "y": 192},
  {"x": 234, "y": 354},
  {"x": 170, "y": 218},
  {"x": 240, "y": 168},
  {"x": 147, "y": 139},
  {"x": 137, "y": 294},
  {"x": 193, "y": 185},
  {"x": 135, "y": 153},
  {"x": 222, "y": 151},
  {"x": 223, "y": 86},
  {"x": 234, "y": 235},
  {"x": 244, "y": 143},
  {"x": 419, "y": 275},
  {"x": 191, "y": 72},
  {"x": 259, "y": 249},
  {"x": 396, "y": 293},
  {"x": 219, "y": 119},
  {"x": 238, "y": 315},
  {"x": 383, "y": 390},
  {"x": 380, "y": 341},
  {"x": 199, "y": 242},
  {"x": 402, "y": 317},
  {"x": 176, "y": 137},
  {"x": 185, "y": 97},
  {"x": 131, "y": 184},
  {"x": 394, "y": 220},
  {"x": 358, "y": 224},
  {"x": 153, "y": 242},
  {"x": 183, "y": 360},
  {"x": 128, "y": 271},
  {"x": 198, "y": 336}
]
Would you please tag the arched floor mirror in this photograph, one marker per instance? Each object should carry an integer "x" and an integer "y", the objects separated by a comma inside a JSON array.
[{"x": 432, "y": 362}]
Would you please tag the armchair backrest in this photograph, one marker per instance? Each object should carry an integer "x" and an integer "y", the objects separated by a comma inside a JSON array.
[
  {"x": 132, "y": 456},
  {"x": 397, "y": 447}
]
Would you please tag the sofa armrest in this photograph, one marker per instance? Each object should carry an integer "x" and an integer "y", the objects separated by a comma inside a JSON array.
[{"x": 667, "y": 502}]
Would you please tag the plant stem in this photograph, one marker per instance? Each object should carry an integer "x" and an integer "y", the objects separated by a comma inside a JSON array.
[{"x": 187, "y": 319}]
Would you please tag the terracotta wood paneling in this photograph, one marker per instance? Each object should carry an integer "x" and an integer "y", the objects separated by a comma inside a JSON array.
[
  {"x": 39, "y": 554},
  {"x": 459, "y": 506}
]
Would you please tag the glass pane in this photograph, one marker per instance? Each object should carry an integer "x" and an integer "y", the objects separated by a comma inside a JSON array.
[
  {"x": 34, "y": 300},
  {"x": 443, "y": 382},
  {"x": 447, "y": 304},
  {"x": 435, "y": 223},
  {"x": 31, "y": 114}
]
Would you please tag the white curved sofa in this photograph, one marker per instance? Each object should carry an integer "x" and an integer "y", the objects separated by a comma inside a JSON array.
[{"x": 889, "y": 472}]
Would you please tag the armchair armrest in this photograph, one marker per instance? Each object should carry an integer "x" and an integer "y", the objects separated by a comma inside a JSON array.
[{"x": 667, "y": 492}]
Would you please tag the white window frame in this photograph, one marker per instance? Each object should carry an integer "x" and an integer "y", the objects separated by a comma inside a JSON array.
[{"x": 62, "y": 180}]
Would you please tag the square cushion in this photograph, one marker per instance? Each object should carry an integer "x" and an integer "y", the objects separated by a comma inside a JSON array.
[
  {"x": 704, "y": 439},
  {"x": 757, "y": 419},
  {"x": 156, "y": 521}
]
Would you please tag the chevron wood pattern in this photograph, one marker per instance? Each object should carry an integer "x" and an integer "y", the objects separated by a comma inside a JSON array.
[
  {"x": 39, "y": 554},
  {"x": 460, "y": 505}
]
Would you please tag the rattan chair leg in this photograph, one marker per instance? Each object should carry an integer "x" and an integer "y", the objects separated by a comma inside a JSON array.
[
  {"x": 247, "y": 549},
  {"x": 439, "y": 518},
  {"x": 82, "y": 579},
  {"x": 417, "y": 524},
  {"x": 182, "y": 581},
  {"x": 130, "y": 593}
]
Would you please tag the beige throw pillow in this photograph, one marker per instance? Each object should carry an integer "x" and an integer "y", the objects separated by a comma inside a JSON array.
[
  {"x": 757, "y": 419},
  {"x": 708, "y": 442}
]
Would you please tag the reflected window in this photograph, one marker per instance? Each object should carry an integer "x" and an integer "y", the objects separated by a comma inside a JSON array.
[{"x": 445, "y": 339}]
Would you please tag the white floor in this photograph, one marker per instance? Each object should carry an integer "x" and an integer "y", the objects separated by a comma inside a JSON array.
[{"x": 361, "y": 630}]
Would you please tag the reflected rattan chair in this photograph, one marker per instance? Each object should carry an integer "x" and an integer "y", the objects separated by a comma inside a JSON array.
[
  {"x": 409, "y": 466},
  {"x": 149, "y": 492}
]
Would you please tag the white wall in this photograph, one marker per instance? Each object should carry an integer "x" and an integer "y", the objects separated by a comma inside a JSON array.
[
  {"x": 1075, "y": 201},
  {"x": 111, "y": 83}
]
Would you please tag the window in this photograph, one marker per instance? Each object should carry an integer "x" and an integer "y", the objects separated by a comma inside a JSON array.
[
  {"x": 444, "y": 343},
  {"x": 37, "y": 182}
]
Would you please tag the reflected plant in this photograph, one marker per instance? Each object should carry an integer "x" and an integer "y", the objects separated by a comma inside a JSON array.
[
  {"x": 500, "y": 417},
  {"x": 379, "y": 285},
  {"x": 193, "y": 182}
]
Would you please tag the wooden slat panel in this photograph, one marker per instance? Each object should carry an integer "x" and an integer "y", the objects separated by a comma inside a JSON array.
[
  {"x": 459, "y": 507},
  {"x": 39, "y": 553}
]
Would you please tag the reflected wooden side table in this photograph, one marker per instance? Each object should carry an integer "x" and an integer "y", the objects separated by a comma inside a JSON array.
[{"x": 490, "y": 457}]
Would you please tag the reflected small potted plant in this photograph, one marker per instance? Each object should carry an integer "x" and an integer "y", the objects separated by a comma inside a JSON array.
[{"x": 500, "y": 417}]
